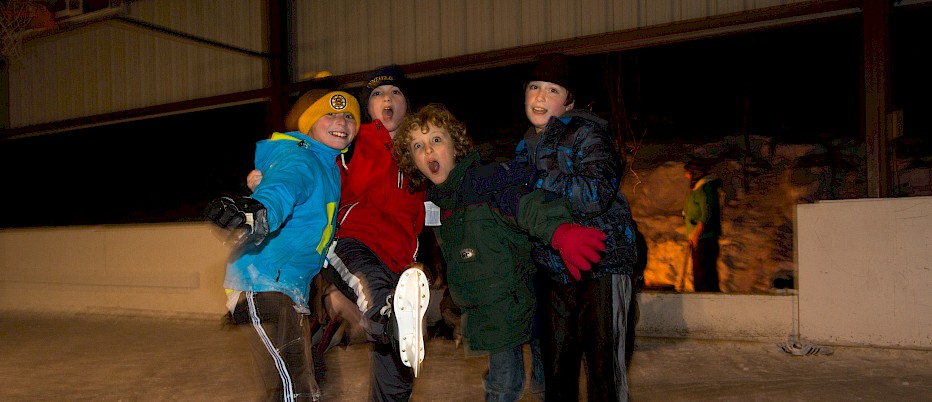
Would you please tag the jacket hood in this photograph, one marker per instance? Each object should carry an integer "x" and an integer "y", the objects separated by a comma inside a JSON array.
[{"x": 585, "y": 114}]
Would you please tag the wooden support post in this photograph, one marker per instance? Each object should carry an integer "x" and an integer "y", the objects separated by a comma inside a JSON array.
[{"x": 876, "y": 15}]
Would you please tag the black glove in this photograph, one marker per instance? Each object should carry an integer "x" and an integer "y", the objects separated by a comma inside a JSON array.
[{"x": 244, "y": 217}]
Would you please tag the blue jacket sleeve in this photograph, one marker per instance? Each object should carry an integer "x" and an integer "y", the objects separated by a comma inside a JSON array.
[
  {"x": 586, "y": 169},
  {"x": 285, "y": 183}
]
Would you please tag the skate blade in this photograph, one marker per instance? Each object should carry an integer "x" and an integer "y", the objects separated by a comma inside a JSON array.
[{"x": 412, "y": 296}]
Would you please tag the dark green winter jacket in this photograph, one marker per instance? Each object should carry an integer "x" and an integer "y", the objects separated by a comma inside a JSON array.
[{"x": 488, "y": 216}]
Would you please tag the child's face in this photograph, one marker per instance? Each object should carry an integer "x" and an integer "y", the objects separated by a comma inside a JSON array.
[
  {"x": 388, "y": 104},
  {"x": 433, "y": 153},
  {"x": 543, "y": 100},
  {"x": 335, "y": 130}
]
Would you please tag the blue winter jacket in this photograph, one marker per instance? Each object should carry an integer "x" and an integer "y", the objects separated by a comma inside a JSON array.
[
  {"x": 576, "y": 157},
  {"x": 300, "y": 189}
]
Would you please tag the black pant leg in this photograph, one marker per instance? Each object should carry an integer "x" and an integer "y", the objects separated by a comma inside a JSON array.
[{"x": 560, "y": 349}]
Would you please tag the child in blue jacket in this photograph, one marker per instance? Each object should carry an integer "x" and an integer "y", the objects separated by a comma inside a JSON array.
[{"x": 281, "y": 234}]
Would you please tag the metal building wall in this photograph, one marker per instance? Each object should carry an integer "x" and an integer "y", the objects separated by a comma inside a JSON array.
[
  {"x": 116, "y": 65},
  {"x": 356, "y": 35}
]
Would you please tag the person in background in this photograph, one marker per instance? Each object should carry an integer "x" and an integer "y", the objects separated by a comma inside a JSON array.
[
  {"x": 281, "y": 233},
  {"x": 372, "y": 259},
  {"x": 582, "y": 312},
  {"x": 703, "y": 218},
  {"x": 489, "y": 214}
]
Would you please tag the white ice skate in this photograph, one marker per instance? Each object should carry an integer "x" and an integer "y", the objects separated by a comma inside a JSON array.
[{"x": 412, "y": 295}]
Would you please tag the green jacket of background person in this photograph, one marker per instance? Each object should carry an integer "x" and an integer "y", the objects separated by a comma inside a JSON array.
[{"x": 702, "y": 205}]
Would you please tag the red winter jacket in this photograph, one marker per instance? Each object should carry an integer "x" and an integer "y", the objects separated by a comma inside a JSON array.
[{"x": 376, "y": 207}]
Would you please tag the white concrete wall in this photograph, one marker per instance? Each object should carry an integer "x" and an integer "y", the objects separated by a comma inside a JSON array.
[
  {"x": 134, "y": 269},
  {"x": 753, "y": 317},
  {"x": 177, "y": 269},
  {"x": 865, "y": 271}
]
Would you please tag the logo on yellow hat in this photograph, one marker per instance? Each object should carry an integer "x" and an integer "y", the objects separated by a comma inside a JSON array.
[{"x": 338, "y": 102}]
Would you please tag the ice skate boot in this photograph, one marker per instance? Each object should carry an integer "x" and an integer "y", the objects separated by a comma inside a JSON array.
[{"x": 411, "y": 298}]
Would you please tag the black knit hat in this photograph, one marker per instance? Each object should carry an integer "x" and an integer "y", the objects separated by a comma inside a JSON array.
[
  {"x": 385, "y": 75},
  {"x": 553, "y": 68}
]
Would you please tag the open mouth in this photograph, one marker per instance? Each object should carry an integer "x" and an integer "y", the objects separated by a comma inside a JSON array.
[
  {"x": 387, "y": 113},
  {"x": 434, "y": 166},
  {"x": 339, "y": 134},
  {"x": 539, "y": 110}
]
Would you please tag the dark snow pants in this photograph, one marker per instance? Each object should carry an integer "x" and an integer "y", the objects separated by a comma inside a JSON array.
[
  {"x": 588, "y": 318},
  {"x": 365, "y": 280}
]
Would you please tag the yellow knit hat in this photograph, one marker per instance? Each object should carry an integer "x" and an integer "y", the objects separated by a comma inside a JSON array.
[{"x": 327, "y": 102}]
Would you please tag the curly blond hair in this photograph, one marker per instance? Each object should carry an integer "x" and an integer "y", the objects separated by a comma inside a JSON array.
[{"x": 440, "y": 117}]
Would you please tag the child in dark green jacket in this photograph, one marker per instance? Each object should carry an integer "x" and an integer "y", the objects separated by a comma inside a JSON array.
[{"x": 488, "y": 215}]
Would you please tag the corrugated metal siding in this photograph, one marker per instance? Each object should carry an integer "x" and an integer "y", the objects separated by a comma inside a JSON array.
[
  {"x": 112, "y": 66},
  {"x": 409, "y": 31}
]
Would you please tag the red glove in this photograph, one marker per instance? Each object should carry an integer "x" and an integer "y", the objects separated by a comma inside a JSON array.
[{"x": 579, "y": 246}]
